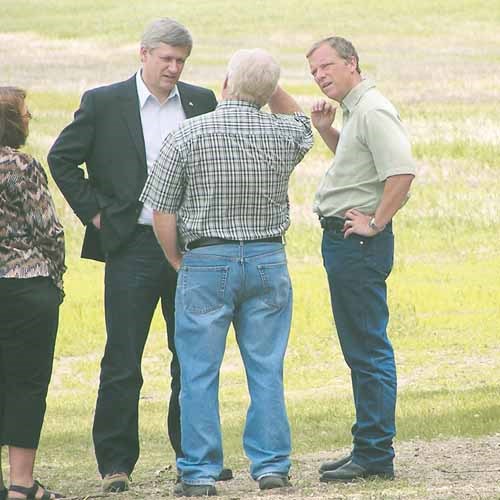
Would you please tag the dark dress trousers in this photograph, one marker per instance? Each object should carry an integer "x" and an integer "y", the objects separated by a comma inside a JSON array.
[{"x": 106, "y": 135}]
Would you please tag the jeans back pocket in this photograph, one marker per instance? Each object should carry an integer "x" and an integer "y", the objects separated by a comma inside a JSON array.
[
  {"x": 276, "y": 284},
  {"x": 203, "y": 288}
]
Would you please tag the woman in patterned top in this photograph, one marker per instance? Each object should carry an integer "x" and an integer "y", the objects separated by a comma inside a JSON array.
[{"x": 31, "y": 269}]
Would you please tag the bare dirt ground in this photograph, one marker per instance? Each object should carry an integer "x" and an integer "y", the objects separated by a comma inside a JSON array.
[{"x": 442, "y": 469}]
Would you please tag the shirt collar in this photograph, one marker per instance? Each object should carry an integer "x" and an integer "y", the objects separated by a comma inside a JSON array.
[
  {"x": 355, "y": 94},
  {"x": 232, "y": 103},
  {"x": 144, "y": 94}
]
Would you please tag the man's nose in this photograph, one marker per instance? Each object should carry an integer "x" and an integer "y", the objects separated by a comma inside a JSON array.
[
  {"x": 174, "y": 66},
  {"x": 319, "y": 76}
]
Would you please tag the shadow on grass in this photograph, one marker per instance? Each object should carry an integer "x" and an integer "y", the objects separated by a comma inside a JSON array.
[
  {"x": 321, "y": 425},
  {"x": 318, "y": 424}
]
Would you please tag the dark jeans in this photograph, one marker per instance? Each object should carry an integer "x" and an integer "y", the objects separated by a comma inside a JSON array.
[
  {"x": 29, "y": 314},
  {"x": 357, "y": 268},
  {"x": 136, "y": 278}
]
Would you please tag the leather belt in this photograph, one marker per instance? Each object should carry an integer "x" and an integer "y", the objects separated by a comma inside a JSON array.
[
  {"x": 206, "y": 242},
  {"x": 337, "y": 223},
  {"x": 332, "y": 223}
]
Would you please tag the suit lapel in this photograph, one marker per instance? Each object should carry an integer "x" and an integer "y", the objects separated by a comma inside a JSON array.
[
  {"x": 129, "y": 105},
  {"x": 188, "y": 103}
]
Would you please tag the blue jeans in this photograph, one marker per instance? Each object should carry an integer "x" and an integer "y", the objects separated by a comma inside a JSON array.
[
  {"x": 357, "y": 269},
  {"x": 247, "y": 284}
]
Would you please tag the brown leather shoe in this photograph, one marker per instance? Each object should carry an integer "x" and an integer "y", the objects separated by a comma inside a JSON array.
[{"x": 115, "y": 482}]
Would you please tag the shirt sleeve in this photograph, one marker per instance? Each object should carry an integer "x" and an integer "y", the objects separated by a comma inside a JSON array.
[
  {"x": 69, "y": 152},
  {"x": 305, "y": 139},
  {"x": 388, "y": 143},
  {"x": 46, "y": 231},
  {"x": 296, "y": 128},
  {"x": 164, "y": 188}
]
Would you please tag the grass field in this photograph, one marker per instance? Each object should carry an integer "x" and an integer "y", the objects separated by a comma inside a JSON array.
[{"x": 439, "y": 62}]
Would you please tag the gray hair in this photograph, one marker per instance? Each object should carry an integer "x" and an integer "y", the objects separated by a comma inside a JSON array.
[
  {"x": 166, "y": 30},
  {"x": 344, "y": 48},
  {"x": 252, "y": 75}
]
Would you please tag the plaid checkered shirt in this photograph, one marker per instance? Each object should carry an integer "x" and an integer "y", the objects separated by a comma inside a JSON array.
[{"x": 225, "y": 174}]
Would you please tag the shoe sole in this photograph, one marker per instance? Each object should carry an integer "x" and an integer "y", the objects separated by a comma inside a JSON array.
[
  {"x": 364, "y": 477},
  {"x": 206, "y": 491},
  {"x": 274, "y": 487},
  {"x": 271, "y": 485}
]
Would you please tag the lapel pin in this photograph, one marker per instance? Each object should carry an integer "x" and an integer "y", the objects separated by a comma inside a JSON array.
[{"x": 190, "y": 103}]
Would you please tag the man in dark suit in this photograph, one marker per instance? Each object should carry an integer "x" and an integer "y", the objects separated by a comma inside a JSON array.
[{"x": 117, "y": 132}]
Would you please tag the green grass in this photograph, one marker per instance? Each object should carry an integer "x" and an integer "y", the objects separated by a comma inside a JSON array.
[
  {"x": 444, "y": 290},
  {"x": 111, "y": 19}
]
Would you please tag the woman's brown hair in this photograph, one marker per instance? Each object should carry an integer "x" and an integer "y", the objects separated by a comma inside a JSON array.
[{"x": 13, "y": 131}]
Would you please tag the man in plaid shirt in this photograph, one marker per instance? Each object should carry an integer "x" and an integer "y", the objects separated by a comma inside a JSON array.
[{"x": 221, "y": 182}]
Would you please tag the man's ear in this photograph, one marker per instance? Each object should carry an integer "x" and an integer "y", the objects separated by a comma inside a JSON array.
[
  {"x": 224, "y": 88},
  {"x": 353, "y": 64}
]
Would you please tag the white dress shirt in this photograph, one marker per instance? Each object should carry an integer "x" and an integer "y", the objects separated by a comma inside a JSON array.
[{"x": 157, "y": 121}]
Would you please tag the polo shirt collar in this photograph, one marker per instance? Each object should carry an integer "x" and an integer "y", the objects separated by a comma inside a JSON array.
[
  {"x": 351, "y": 100},
  {"x": 144, "y": 94}
]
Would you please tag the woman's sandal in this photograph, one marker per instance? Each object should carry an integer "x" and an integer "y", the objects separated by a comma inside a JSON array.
[{"x": 31, "y": 492}]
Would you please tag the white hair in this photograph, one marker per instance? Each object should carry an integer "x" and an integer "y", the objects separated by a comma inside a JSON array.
[{"x": 252, "y": 75}]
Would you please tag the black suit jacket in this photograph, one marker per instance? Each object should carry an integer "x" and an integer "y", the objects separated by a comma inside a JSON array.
[{"x": 106, "y": 135}]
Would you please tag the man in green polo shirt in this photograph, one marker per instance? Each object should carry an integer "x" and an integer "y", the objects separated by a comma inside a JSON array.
[{"x": 367, "y": 183}]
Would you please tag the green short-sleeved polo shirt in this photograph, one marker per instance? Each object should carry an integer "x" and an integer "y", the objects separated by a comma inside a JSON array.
[{"x": 373, "y": 145}]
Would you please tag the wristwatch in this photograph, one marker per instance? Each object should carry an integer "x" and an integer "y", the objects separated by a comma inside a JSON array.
[{"x": 374, "y": 226}]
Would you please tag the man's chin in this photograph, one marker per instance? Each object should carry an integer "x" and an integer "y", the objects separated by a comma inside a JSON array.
[
  {"x": 168, "y": 84},
  {"x": 329, "y": 91}
]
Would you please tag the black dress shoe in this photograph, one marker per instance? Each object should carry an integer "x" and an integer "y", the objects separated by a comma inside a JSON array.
[
  {"x": 225, "y": 475},
  {"x": 352, "y": 471},
  {"x": 334, "y": 464},
  {"x": 194, "y": 490}
]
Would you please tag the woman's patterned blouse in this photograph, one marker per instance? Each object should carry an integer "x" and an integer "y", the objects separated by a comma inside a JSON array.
[{"x": 31, "y": 236}]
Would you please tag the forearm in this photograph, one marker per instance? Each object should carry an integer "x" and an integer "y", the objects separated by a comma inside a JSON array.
[
  {"x": 165, "y": 228},
  {"x": 283, "y": 103},
  {"x": 395, "y": 192},
  {"x": 330, "y": 137},
  {"x": 322, "y": 117}
]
